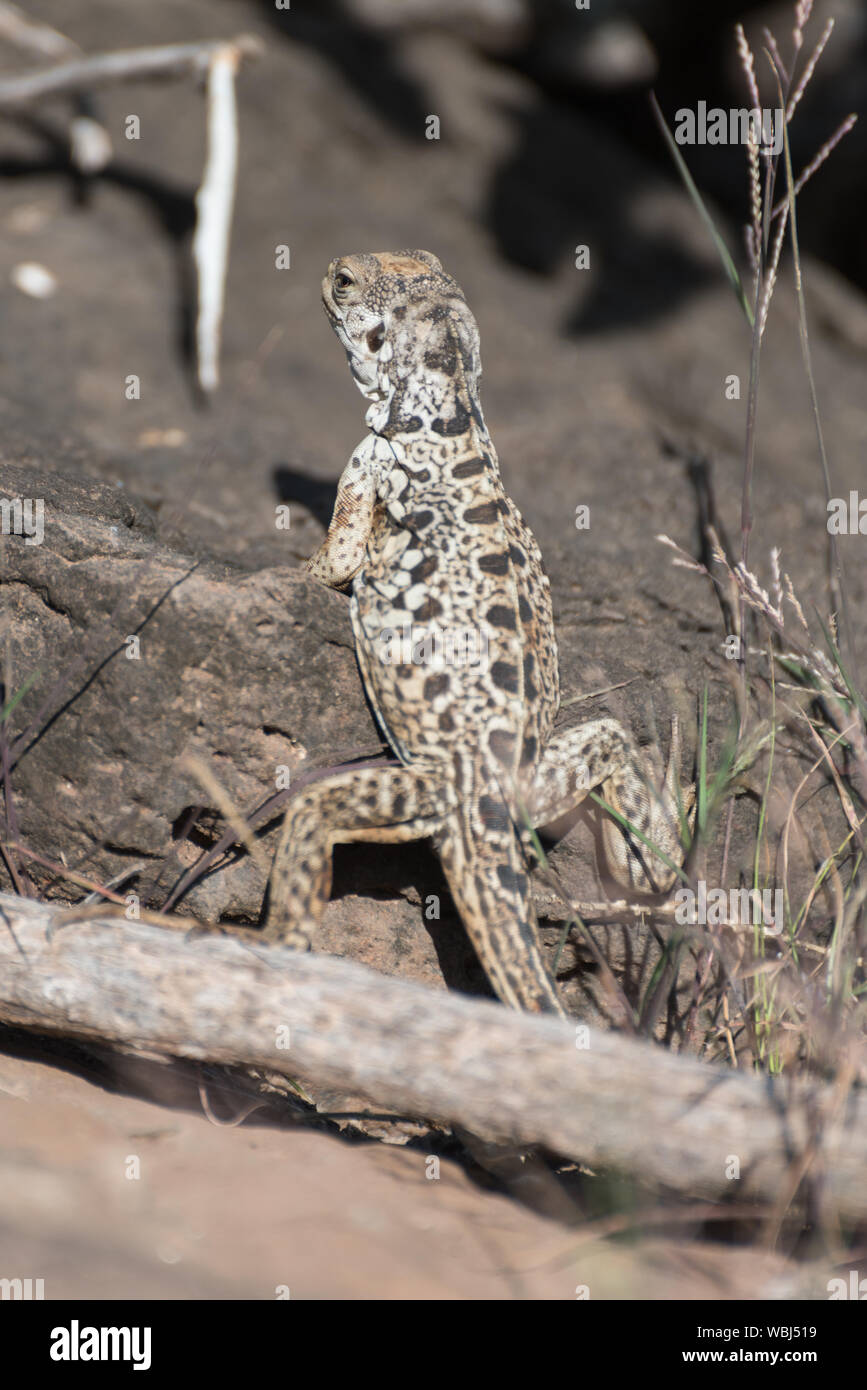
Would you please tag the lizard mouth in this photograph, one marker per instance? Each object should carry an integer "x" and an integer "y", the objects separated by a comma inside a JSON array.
[
  {"x": 366, "y": 377},
  {"x": 362, "y": 361},
  {"x": 362, "y": 351}
]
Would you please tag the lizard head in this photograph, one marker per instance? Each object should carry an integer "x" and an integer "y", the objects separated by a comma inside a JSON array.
[{"x": 407, "y": 330}]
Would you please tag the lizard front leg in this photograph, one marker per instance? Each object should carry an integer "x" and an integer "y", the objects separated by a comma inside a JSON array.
[
  {"x": 602, "y": 754},
  {"x": 341, "y": 554},
  {"x": 381, "y": 804}
]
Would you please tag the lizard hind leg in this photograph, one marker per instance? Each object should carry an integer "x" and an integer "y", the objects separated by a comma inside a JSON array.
[
  {"x": 489, "y": 881},
  {"x": 385, "y": 804},
  {"x": 603, "y": 755}
]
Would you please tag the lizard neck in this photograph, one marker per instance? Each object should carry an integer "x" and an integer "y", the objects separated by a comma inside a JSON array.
[
  {"x": 434, "y": 425},
  {"x": 436, "y": 396}
]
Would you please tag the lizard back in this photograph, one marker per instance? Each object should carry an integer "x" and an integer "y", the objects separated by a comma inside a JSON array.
[{"x": 451, "y": 607}]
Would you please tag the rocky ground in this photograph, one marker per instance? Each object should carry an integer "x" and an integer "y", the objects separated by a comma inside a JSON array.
[{"x": 603, "y": 387}]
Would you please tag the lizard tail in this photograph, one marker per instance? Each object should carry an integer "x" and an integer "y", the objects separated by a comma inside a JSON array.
[{"x": 488, "y": 878}]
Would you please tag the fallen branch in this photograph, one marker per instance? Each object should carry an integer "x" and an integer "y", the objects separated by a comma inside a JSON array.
[
  {"x": 102, "y": 69},
  {"x": 614, "y": 1102},
  {"x": 91, "y": 147},
  {"x": 32, "y": 36}
]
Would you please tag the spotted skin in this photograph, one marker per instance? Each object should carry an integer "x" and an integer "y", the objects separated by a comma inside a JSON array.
[{"x": 451, "y": 610}]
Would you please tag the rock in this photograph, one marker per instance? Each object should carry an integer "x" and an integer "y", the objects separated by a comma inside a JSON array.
[
  {"x": 141, "y": 654},
  {"x": 138, "y": 655}
]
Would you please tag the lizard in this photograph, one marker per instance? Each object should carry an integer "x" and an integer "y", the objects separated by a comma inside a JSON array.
[{"x": 452, "y": 618}]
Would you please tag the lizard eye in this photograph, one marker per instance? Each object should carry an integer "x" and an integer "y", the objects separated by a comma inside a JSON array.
[
  {"x": 342, "y": 284},
  {"x": 376, "y": 337}
]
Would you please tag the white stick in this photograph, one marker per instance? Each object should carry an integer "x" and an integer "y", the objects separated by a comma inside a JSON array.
[{"x": 214, "y": 203}]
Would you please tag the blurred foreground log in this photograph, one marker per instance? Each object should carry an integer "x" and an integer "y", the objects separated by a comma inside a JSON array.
[{"x": 612, "y": 1102}]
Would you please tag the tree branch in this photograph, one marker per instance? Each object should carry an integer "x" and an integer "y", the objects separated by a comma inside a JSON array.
[
  {"x": 101, "y": 69},
  {"x": 615, "y": 1102}
]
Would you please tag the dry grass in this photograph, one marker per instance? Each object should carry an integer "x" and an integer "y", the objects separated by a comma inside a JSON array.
[{"x": 793, "y": 1003}]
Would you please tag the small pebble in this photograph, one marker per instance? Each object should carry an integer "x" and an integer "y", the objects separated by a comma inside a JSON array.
[{"x": 31, "y": 278}]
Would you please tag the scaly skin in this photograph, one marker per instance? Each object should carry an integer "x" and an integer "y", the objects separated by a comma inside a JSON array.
[{"x": 434, "y": 548}]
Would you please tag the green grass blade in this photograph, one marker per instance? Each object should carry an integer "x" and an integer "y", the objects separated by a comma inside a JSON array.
[
  {"x": 854, "y": 694},
  {"x": 633, "y": 830},
  {"x": 701, "y": 812},
  {"x": 19, "y": 695},
  {"x": 725, "y": 255}
]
